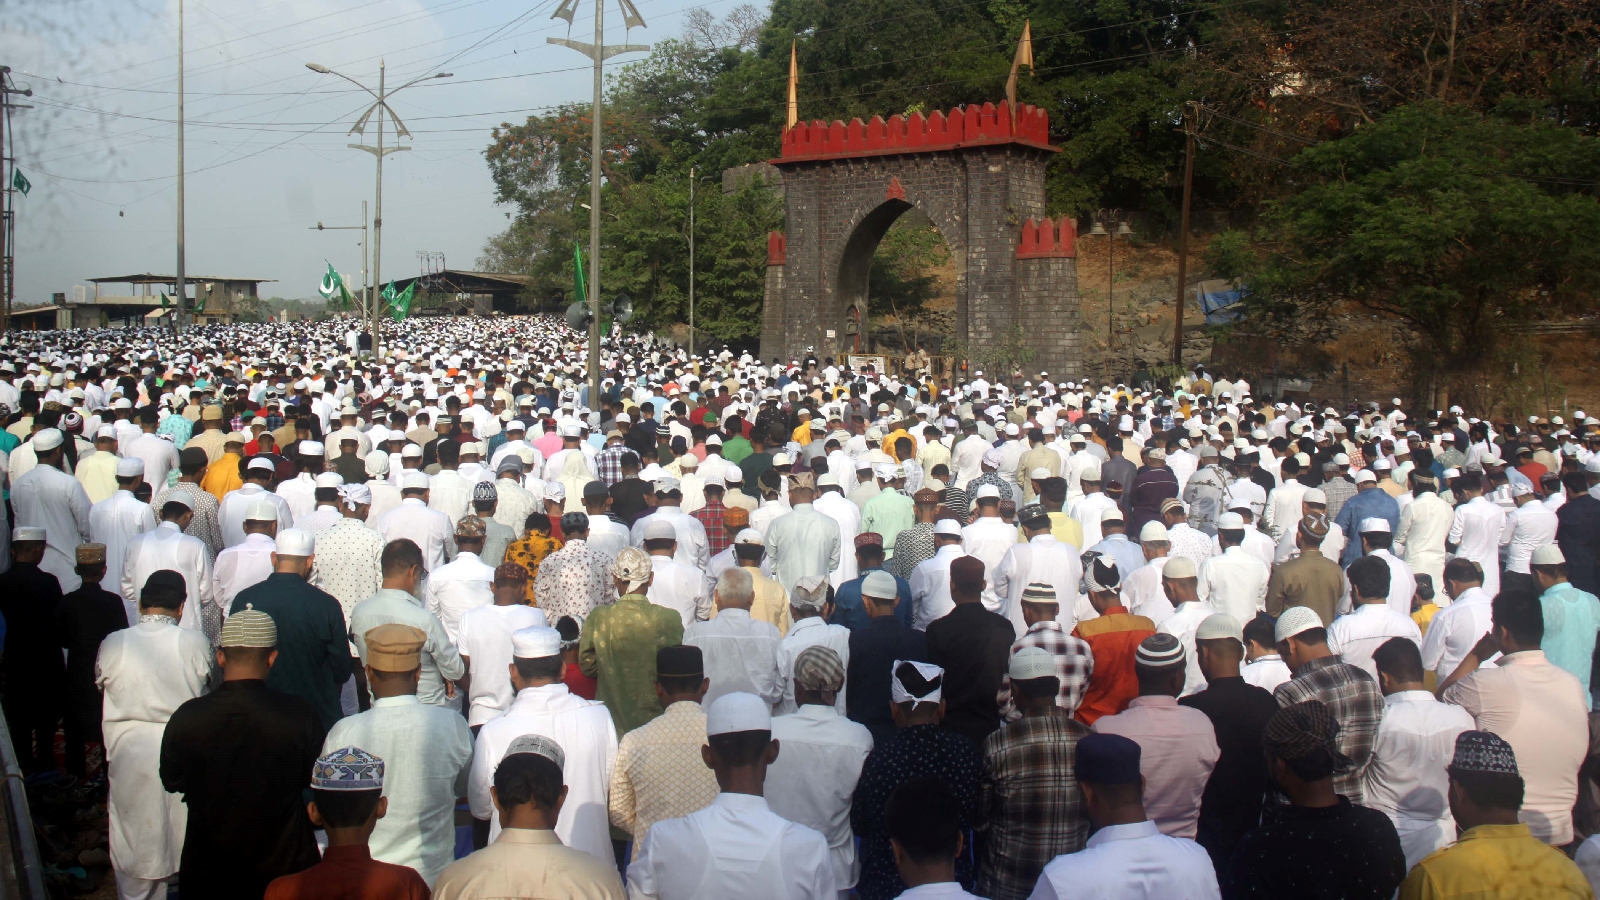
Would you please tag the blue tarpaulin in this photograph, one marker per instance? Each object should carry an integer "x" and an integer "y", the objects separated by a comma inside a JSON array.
[{"x": 1220, "y": 303}]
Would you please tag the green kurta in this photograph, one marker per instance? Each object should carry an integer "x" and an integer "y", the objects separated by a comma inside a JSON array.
[
  {"x": 889, "y": 513},
  {"x": 618, "y": 649},
  {"x": 313, "y": 650}
]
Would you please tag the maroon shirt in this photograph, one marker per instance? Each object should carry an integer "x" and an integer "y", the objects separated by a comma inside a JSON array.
[{"x": 350, "y": 873}]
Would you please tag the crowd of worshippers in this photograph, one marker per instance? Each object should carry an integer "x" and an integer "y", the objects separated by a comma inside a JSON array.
[{"x": 786, "y": 630}]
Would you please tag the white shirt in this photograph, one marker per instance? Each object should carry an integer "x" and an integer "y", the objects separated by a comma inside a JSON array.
[
  {"x": 967, "y": 460},
  {"x": 803, "y": 542},
  {"x": 1332, "y": 545},
  {"x": 425, "y": 749},
  {"x": 1283, "y": 509},
  {"x": 1181, "y": 625},
  {"x": 692, "y": 549},
  {"x": 320, "y": 519},
  {"x": 810, "y": 632},
  {"x": 114, "y": 521},
  {"x": 245, "y": 565},
  {"x": 50, "y": 498},
  {"x": 1424, "y": 525},
  {"x": 147, "y": 671},
  {"x": 741, "y": 654},
  {"x": 1528, "y": 527},
  {"x": 1142, "y": 593},
  {"x": 848, "y": 516},
  {"x": 166, "y": 547},
  {"x": 1476, "y": 532},
  {"x": 584, "y": 730},
  {"x": 1235, "y": 583},
  {"x": 429, "y": 529},
  {"x": 450, "y": 492},
  {"x": 679, "y": 588},
  {"x": 930, "y": 586},
  {"x": 464, "y": 583},
  {"x": 988, "y": 538},
  {"x": 1087, "y": 512},
  {"x": 1406, "y": 779},
  {"x": 741, "y": 850},
  {"x": 607, "y": 535},
  {"x": 1357, "y": 635},
  {"x": 1455, "y": 629},
  {"x": 1043, "y": 560},
  {"x": 300, "y": 493},
  {"x": 814, "y": 779},
  {"x": 160, "y": 456},
  {"x": 484, "y": 638},
  {"x": 1266, "y": 672},
  {"x": 231, "y": 511},
  {"x": 1130, "y": 862}
]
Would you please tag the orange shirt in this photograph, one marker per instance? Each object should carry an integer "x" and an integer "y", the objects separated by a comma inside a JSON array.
[{"x": 1114, "y": 638}]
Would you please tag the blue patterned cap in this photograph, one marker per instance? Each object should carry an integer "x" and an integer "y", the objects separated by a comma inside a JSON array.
[
  {"x": 1483, "y": 751},
  {"x": 350, "y": 769}
]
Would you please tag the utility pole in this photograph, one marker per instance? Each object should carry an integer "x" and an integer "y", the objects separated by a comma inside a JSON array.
[
  {"x": 1190, "y": 115},
  {"x": 599, "y": 53},
  {"x": 182, "y": 300},
  {"x": 8, "y": 228},
  {"x": 366, "y": 296},
  {"x": 691, "y": 263},
  {"x": 380, "y": 105}
]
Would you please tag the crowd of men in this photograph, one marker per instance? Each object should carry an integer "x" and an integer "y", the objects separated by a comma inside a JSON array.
[{"x": 735, "y": 629}]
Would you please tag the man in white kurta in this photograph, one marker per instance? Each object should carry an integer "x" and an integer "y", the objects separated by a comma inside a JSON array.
[
  {"x": 831, "y": 502},
  {"x": 249, "y": 562},
  {"x": 693, "y": 549},
  {"x": 117, "y": 520},
  {"x": 412, "y": 520},
  {"x": 1234, "y": 582},
  {"x": 1043, "y": 559},
  {"x": 49, "y": 498},
  {"x": 147, "y": 671},
  {"x": 802, "y": 541},
  {"x": 464, "y": 583},
  {"x": 167, "y": 547},
  {"x": 1424, "y": 526},
  {"x": 988, "y": 538},
  {"x": 1475, "y": 532},
  {"x": 582, "y": 728},
  {"x": 235, "y": 503}
]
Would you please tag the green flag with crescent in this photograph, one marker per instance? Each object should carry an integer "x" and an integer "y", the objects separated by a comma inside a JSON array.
[
  {"x": 333, "y": 290},
  {"x": 399, "y": 301}
]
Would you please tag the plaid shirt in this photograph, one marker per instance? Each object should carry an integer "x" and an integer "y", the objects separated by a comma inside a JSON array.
[
  {"x": 608, "y": 463},
  {"x": 1356, "y": 703},
  {"x": 1074, "y": 665},
  {"x": 1029, "y": 802},
  {"x": 1338, "y": 490},
  {"x": 911, "y": 546},
  {"x": 710, "y": 516}
]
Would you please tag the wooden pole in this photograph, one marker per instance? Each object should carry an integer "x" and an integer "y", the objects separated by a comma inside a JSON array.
[{"x": 1183, "y": 234}]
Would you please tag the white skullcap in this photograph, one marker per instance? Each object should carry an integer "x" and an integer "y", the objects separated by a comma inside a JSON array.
[
  {"x": 535, "y": 642},
  {"x": 414, "y": 480},
  {"x": 1315, "y": 495},
  {"x": 27, "y": 533},
  {"x": 986, "y": 491},
  {"x": 1294, "y": 620},
  {"x": 1179, "y": 567},
  {"x": 377, "y": 463},
  {"x": 947, "y": 528},
  {"x": 1111, "y": 514},
  {"x": 1366, "y": 476},
  {"x": 1218, "y": 626},
  {"x": 131, "y": 467},
  {"x": 1230, "y": 521},
  {"x": 1040, "y": 473},
  {"x": 1152, "y": 531},
  {"x": 181, "y": 497},
  {"x": 46, "y": 439},
  {"x": 261, "y": 511},
  {"x": 1030, "y": 663},
  {"x": 1090, "y": 473},
  {"x": 105, "y": 431},
  {"x": 329, "y": 480},
  {"x": 310, "y": 448},
  {"x": 660, "y": 530},
  {"x": 1520, "y": 489},
  {"x": 665, "y": 484},
  {"x": 261, "y": 464},
  {"x": 411, "y": 451},
  {"x": 295, "y": 541},
  {"x": 749, "y": 536},
  {"x": 880, "y": 585},
  {"x": 738, "y": 711},
  {"x": 1548, "y": 555},
  {"x": 886, "y": 471},
  {"x": 1374, "y": 524}
]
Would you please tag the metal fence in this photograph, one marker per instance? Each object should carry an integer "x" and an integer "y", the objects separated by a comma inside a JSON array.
[{"x": 25, "y": 863}]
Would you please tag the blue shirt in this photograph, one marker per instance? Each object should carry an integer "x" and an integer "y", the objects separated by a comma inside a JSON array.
[
  {"x": 1371, "y": 503},
  {"x": 1571, "y": 621},
  {"x": 1129, "y": 556},
  {"x": 850, "y": 611}
]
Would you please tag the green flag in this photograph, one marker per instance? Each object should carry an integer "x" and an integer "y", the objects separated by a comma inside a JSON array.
[
  {"x": 199, "y": 305},
  {"x": 333, "y": 290},
  {"x": 19, "y": 182},
  {"x": 399, "y": 302},
  {"x": 166, "y": 302}
]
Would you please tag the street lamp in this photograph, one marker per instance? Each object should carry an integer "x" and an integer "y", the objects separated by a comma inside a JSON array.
[
  {"x": 380, "y": 105},
  {"x": 598, "y": 52},
  {"x": 1118, "y": 226}
]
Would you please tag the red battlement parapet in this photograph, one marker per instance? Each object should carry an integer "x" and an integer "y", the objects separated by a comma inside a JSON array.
[
  {"x": 973, "y": 126},
  {"x": 1039, "y": 239}
]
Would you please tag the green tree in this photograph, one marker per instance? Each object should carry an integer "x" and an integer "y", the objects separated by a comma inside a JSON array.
[{"x": 1454, "y": 223}]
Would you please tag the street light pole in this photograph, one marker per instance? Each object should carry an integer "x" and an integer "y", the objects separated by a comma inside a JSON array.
[
  {"x": 182, "y": 291},
  {"x": 691, "y": 264},
  {"x": 599, "y": 53},
  {"x": 1190, "y": 113},
  {"x": 1109, "y": 223},
  {"x": 381, "y": 106}
]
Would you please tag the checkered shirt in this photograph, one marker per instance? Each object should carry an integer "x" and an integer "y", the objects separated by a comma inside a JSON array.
[
  {"x": 1074, "y": 666},
  {"x": 608, "y": 463},
  {"x": 1030, "y": 803},
  {"x": 1356, "y": 703}
]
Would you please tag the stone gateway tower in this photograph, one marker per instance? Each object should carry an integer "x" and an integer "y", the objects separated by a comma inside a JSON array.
[{"x": 978, "y": 177}]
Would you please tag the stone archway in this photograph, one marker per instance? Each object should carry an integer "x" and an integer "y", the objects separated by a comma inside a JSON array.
[{"x": 980, "y": 181}]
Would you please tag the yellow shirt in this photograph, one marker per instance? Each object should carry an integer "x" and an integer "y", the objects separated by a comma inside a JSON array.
[
  {"x": 1502, "y": 861},
  {"x": 222, "y": 476},
  {"x": 1063, "y": 528},
  {"x": 1423, "y": 614},
  {"x": 889, "y": 439},
  {"x": 771, "y": 603},
  {"x": 802, "y": 433}
]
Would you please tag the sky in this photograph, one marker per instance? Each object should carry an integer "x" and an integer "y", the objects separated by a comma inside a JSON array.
[{"x": 265, "y": 142}]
